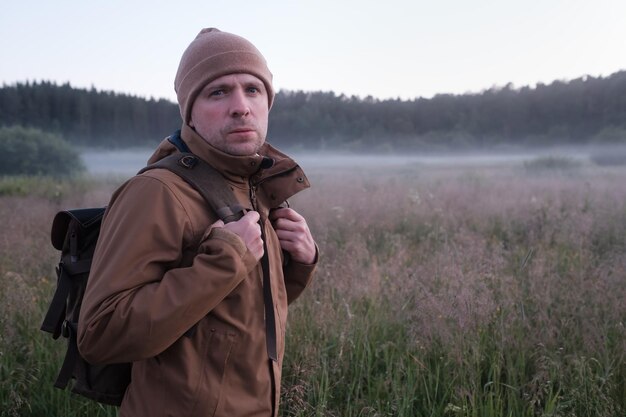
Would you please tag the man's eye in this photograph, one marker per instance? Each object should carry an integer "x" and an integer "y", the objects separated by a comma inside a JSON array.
[
  {"x": 216, "y": 93},
  {"x": 253, "y": 89}
]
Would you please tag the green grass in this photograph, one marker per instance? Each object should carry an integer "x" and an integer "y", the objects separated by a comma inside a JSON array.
[
  {"x": 366, "y": 365},
  {"x": 503, "y": 296},
  {"x": 47, "y": 187}
]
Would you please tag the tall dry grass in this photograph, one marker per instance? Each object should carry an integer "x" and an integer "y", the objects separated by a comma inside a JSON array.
[
  {"x": 30, "y": 359},
  {"x": 505, "y": 290},
  {"x": 441, "y": 292}
]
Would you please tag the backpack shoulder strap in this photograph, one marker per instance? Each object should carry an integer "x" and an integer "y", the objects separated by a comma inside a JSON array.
[{"x": 203, "y": 178}]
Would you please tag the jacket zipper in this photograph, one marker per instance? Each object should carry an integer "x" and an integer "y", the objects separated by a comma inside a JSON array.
[{"x": 252, "y": 194}]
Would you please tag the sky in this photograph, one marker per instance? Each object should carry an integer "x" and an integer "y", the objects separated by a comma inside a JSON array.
[{"x": 383, "y": 48}]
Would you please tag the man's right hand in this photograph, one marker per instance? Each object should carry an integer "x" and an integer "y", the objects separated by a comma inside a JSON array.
[{"x": 249, "y": 230}]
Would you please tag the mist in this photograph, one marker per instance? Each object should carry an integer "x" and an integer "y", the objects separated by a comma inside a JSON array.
[{"x": 126, "y": 162}]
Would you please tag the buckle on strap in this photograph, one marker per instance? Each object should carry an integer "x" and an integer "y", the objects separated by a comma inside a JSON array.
[
  {"x": 188, "y": 161},
  {"x": 65, "y": 329}
]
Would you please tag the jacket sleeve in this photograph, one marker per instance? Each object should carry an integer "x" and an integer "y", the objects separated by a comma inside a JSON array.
[
  {"x": 138, "y": 299},
  {"x": 298, "y": 276}
]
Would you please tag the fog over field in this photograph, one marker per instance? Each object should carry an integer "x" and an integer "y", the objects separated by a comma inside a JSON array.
[{"x": 125, "y": 162}]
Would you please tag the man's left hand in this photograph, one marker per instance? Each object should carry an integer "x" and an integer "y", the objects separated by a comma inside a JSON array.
[{"x": 294, "y": 235}]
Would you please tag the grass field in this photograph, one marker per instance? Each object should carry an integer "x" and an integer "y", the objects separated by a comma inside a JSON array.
[{"x": 493, "y": 291}]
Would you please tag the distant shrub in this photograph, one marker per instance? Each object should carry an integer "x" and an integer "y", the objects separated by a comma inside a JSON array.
[
  {"x": 551, "y": 164},
  {"x": 27, "y": 151},
  {"x": 609, "y": 158}
]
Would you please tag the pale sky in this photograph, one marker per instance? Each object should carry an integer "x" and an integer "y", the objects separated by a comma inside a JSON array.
[{"x": 383, "y": 48}]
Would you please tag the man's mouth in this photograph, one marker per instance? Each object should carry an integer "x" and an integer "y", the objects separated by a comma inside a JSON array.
[{"x": 242, "y": 130}]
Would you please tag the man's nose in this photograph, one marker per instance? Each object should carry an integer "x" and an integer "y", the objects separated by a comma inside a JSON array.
[{"x": 239, "y": 105}]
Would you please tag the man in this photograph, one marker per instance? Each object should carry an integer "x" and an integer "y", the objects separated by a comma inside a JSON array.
[{"x": 164, "y": 264}]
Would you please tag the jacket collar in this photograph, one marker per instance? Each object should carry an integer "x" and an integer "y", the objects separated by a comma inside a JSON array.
[
  {"x": 267, "y": 163},
  {"x": 235, "y": 168}
]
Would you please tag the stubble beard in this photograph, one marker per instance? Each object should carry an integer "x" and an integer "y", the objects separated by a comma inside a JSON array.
[{"x": 241, "y": 147}]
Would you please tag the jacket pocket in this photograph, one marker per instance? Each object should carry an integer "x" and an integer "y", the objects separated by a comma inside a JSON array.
[{"x": 217, "y": 358}]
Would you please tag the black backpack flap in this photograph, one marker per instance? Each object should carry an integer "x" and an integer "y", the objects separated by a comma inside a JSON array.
[
  {"x": 86, "y": 218},
  {"x": 84, "y": 224}
]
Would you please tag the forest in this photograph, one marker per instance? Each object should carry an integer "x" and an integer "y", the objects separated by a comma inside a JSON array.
[{"x": 586, "y": 110}]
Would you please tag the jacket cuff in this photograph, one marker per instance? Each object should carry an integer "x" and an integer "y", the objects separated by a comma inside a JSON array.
[
  {"x": 298, "y": 276},
  {"x": 221, "y": 234},
  {"x": 297, "y": 269},
  {"x": 229, "y": 237}
]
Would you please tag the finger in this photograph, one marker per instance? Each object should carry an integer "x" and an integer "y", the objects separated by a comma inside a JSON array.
[
  {"x": 294, "y": 226},
  {"x": 252, "y": 216},
  {"x": 300, "y": 251},
  {"x": 294, "y": 238},
  {"x": 288, "y": 235}
]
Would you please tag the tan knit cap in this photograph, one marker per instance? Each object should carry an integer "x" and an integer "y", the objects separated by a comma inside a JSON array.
[{"x": 211, "y": 55}]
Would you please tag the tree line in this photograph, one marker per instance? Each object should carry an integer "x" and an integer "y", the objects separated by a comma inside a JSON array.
[
  {"x": 580, "y": 111},
  {"x": 86, "y": 117}
]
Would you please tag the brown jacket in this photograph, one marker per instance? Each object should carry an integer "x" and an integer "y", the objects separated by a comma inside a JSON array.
[{"x": 159, "y": 269}]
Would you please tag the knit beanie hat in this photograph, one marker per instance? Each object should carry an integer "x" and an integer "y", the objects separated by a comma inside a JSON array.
[{"x": 211, "y": 55}]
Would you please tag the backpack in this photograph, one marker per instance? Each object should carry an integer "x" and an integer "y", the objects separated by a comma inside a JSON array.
[{"x": 75, "y": 233}]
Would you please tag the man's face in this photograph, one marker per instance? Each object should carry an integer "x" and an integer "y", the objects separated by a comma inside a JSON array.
[{"x": 231, "y": 113}]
